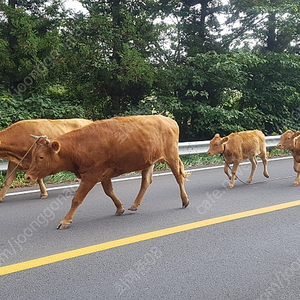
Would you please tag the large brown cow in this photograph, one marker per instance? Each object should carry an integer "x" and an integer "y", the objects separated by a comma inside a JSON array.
[
  {"x": 109, "y": 148},
  {"x": 239, "y": 146},
  {"x": 288, "y": 140},
  {"x": 15, "y": 142}
]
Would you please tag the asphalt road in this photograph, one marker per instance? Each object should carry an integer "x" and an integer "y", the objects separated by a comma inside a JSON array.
[{"x": 231, "y": 248}]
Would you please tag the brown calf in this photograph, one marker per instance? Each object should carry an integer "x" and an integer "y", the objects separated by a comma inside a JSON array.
[
  {"x": 289, "y": 140},
  {"x": 239, "y": 146}
]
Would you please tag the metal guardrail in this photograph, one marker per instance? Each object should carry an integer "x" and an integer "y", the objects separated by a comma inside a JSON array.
[
  {"x": 3, "y": 165},
  {"x": 189, "y": 148},
  {"x": 186, "y": 148}
]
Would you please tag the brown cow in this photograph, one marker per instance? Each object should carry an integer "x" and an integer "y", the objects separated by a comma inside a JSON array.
[
  {"x": 15, "y": 142},
  {"x": 288, "y": 141},
  {"x": 109, "y": 148},
  {"x": 239, "y": 146}
]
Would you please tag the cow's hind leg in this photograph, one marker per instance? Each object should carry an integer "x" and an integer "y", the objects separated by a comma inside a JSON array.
[
  {"x": 108, "y": 189},
  {"x": 82, "y": 191},
  {"x": 10, "y": 176},
  {"x": 146, "y": 181},
  {"x": 177, "y": 168}
]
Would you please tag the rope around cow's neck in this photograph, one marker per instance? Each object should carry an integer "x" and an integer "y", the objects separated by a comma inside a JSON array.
[{"x": 21, "y": 160}]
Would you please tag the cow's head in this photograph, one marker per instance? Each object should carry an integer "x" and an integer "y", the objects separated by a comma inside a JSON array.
[
  {"x": 45, "y": 157},
  {"x": 217, "y": 145},
  {"x": 287, "y": 140},
  {"x": 296, "y": 150}
]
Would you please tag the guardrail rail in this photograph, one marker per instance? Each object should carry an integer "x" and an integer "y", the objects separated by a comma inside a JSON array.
[
  {"x": 185, "y": 148},
  {"x": 189, "y": 148}
]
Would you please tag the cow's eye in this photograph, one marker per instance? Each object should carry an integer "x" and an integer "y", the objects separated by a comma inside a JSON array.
[{"x": 41, "y": 157}]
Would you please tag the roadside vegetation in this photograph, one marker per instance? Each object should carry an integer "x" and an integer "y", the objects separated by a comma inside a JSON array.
[{"x": 179, "y": 58}]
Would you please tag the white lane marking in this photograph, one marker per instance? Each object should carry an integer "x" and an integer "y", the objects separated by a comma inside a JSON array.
[{"x": 138, "y": 177}]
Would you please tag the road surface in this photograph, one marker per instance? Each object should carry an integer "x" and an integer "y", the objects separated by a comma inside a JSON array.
[{"x": 228, "y": 244}]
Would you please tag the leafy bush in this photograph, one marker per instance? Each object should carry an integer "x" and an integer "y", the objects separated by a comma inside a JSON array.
[
  {"x": 199, "y": 121},
  {"x": 15, "y": 108}
]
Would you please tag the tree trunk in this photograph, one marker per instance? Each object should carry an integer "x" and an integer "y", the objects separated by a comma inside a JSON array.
[
  {"x": 271, "y": 39},
  {"x": 203, "y": 17},
  {"x": 116, "y": 94},
  {"x": 12, "y": 42}
]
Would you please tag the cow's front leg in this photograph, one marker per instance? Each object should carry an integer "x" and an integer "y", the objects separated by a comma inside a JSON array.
[
  {"x": 10, "y": 176},
  {"x": 44, "y": 194},
  {"x": 108, "y": 189},
  {"x": 226, "y": 171},
  {"x": 233, "y": 173},
  {"x": 297, "y": 170},
  {"x": 254, "y": 165},
  {"x": 82, "y": 191}
]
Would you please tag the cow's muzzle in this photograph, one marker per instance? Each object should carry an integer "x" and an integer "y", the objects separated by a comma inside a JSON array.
[{"x": 29, "y": 178}]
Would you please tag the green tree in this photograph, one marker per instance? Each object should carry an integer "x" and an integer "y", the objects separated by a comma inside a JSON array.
[
  {"x": 113, "y": 47},
  {"x": 275, "y": 90},
  {"x": 211, "y": 89},
  {"x": 28, "y": 34},
  {"x": 271, "y": 25},
  {"x": 200, "y": 26},
  {"x": 238, "y": 91}
]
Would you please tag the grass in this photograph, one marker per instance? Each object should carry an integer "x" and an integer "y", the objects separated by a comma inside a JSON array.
[{"x": 188, "y": 161}]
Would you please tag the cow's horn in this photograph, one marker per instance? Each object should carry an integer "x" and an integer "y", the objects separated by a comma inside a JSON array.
[{"x": 36, "y": 137}]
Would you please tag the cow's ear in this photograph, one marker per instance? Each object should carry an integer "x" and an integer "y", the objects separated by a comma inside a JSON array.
[
  {"x": 225, "y": 140},
  {"x": 297, "y": 133},
  {"x": 55, "y": 146},
  {"x": 296, "y": 141}
]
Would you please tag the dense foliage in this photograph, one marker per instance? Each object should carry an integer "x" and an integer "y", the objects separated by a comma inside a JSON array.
[{"x": 212, "y": 66}]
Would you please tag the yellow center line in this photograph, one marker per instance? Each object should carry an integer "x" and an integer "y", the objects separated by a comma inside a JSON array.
[{"x": 138, "y": 238}]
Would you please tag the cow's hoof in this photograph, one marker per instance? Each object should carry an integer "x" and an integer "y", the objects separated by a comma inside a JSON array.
[
  {"x": 185, "y": 205},
  {"x": 267, "y": 175},
  {"x": 132, "y": 208},
  {"x": 43, "y": 196},
  {"x": 295, "y": 183},
  {"x": 62, "y": 226},
  {"x": 120, "y": 212}
]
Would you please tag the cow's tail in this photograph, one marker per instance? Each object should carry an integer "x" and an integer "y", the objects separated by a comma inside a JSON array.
[{"x": 183, "y": 173}]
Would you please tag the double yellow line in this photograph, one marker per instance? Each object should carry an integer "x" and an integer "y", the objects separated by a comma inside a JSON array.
[{"x": 139, "y": 238}]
